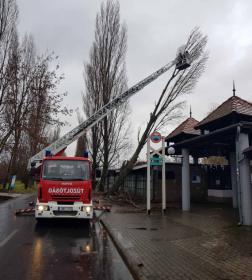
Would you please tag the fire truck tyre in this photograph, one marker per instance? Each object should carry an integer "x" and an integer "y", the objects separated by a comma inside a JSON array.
[
  {"x": 86, "y": 222},
  {"x": 40, "y": 220}
]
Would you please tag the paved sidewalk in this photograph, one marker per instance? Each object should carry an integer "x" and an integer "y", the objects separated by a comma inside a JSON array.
[{"x": 202, "y": 244}]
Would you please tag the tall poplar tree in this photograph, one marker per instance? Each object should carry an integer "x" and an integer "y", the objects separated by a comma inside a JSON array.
[{"x": 105, "y": 78}]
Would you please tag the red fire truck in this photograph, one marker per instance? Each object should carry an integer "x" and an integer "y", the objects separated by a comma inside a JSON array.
[{"x": 65, "y": 189}]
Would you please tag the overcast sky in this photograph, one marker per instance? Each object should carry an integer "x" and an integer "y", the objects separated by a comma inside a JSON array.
[{"x": 156, "y": 28}]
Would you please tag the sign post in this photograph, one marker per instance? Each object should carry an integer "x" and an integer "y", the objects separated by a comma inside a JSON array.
[
  {"x": 12, "y": 182},
  {"x": 163, "y": 177},
  {"x": 148, "y": 174},
  {"x": 159, "y": 160}
]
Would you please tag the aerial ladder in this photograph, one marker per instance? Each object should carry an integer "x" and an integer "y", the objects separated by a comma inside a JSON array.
[{"x": 182, "y": 61}]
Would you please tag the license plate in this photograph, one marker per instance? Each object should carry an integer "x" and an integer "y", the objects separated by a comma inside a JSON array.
[{"x": 65, "y": 208}]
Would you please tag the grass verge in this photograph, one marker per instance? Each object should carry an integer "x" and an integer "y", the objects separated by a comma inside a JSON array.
[{"x": 20, "y": 188}]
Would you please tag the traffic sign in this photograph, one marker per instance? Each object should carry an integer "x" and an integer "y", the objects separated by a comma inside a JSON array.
[{"x": 156, "y": 137}]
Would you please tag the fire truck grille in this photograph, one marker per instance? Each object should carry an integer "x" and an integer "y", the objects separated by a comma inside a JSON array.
[
  {"x": 59, "y": 197},
  {"x": 65, "y": 213}
]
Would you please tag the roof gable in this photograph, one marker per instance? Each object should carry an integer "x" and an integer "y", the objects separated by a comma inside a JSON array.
[
  {"x": 233, "y": 104},
  {"x": 186, "y": 127}
]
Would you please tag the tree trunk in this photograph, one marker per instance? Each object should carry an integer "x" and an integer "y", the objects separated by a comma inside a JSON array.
[
  {"x": 93, "y": 174},
  {"x": 106, "y": 156},
  {"x": 94, "y": 155},
  {"x": 14, "y": 164},
  {"x": 26, "y": 181},
  {"x": 153, "y": 117},
  {"x": 127, "y": 168},
  {"x": 4, "y": 140}
]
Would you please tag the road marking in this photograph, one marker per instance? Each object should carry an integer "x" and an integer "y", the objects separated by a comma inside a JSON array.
[{"x": 9, "y": 237}]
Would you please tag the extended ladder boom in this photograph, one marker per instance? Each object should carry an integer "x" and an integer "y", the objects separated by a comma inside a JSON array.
[{"x": 60, "y": 144}]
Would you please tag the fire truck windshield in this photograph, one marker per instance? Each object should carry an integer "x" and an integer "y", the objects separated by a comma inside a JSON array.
[{"x": 66, "y": 170}]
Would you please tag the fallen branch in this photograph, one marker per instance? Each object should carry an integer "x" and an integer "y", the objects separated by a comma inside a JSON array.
[{"x": 130, "y": 201}]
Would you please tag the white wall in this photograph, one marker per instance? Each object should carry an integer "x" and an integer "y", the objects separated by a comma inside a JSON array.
[{"x": 220, "y": 193}]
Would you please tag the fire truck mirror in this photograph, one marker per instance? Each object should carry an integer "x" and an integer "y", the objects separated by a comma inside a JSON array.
[
  {"x": 98, "y": 173},
  {"x": 32, "y": 171}
]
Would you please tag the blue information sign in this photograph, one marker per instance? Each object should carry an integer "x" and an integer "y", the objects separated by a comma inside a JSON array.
[{"x": 13, "y": 182}]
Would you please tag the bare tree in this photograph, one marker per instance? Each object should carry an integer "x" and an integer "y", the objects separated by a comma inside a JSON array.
[
  {"x": 8, "y": 42},
  {"x": 180, "y": 83},
  {"x": 29, "y": 101},
  {"x": 105, "y": 78},
  {"x": 31, "y": 83},
  {"x": 120, "y": 131},
  {"x": 91, "y": 103},
  {"x": 33, "y": 103},
  {"x": 8, "y": 18}
]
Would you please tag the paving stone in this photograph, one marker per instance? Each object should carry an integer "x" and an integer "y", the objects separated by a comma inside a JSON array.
[{"x": 202, "y": 244}]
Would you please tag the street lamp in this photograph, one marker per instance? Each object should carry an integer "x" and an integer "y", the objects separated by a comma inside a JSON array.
[{"x": 171, "y": 151}]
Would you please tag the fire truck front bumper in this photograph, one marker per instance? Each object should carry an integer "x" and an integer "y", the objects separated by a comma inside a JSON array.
[{"x": 52, "y": 210}]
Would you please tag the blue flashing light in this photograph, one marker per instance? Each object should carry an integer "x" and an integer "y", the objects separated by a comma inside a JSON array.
[
  {"x": 47, "y": 153},
  {"x": 85, "y": 154}
]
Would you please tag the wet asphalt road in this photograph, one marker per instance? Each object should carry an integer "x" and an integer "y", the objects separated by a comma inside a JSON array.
[{"x": 63, "y": 249}]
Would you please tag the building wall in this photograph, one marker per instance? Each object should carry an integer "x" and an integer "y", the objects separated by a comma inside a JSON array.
[
  {"x": 220, "y": 196},
  {"x": 174, "y": 186},
  {"x": 211, "y": 180}
]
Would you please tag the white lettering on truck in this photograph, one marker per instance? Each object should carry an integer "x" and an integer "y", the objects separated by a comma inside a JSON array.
[{"x": 65, "y": 191}]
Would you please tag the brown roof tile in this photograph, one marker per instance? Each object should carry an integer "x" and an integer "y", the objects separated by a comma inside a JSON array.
[
  {"x": 233, "y": 104},
  {"x": 186, "y": 127}
]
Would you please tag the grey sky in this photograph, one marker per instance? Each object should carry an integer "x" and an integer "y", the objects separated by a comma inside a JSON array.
[{"x": 156, "y": 28}]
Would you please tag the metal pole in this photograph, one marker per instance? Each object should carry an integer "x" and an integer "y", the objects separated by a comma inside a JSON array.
[
  {"x": 245, "y": 183},
  {"x": 185, "y": 180},
  {"x": 148, "y": 174},
  {"x": 163, "y": 177},
  {"x": 233, "y": 169},
  {"x": 238, "y": 174}
]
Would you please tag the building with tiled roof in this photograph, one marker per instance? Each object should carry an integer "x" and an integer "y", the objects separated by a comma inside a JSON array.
[{"x": 232, "y": 111}]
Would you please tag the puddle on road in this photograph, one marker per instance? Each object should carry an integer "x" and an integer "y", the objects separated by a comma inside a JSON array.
[
  {"x": 144, "y": 228},
  {"x": 103, "y": 259}
]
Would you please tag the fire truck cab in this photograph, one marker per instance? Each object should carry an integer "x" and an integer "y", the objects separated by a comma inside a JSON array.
[{"x": 65, "y": 189}]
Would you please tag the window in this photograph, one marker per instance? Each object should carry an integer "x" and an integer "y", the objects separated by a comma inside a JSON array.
[
  {"x": 66, "y": 170},
  {"x": 169, "y": 175},
  {"x": 196, "y": 179}
]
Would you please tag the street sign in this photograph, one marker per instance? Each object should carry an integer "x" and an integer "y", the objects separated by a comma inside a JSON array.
[
  {"x": 13, "y": 182},
  {"x": 157, "y": 159},
  {"x": 156, "y": 137}
]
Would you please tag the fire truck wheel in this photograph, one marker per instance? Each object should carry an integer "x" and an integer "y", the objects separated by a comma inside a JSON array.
[
  {"x": 40, "y": 220},
  {"x": 86, "y": 222}
]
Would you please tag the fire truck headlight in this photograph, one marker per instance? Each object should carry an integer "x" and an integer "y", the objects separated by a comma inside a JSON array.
[
  {"x": 86, "y": 208},
  {"x": 42, "y": 208}
]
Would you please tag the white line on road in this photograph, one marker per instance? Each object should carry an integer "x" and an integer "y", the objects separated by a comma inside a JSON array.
[{"x": 8, "y": 237}]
